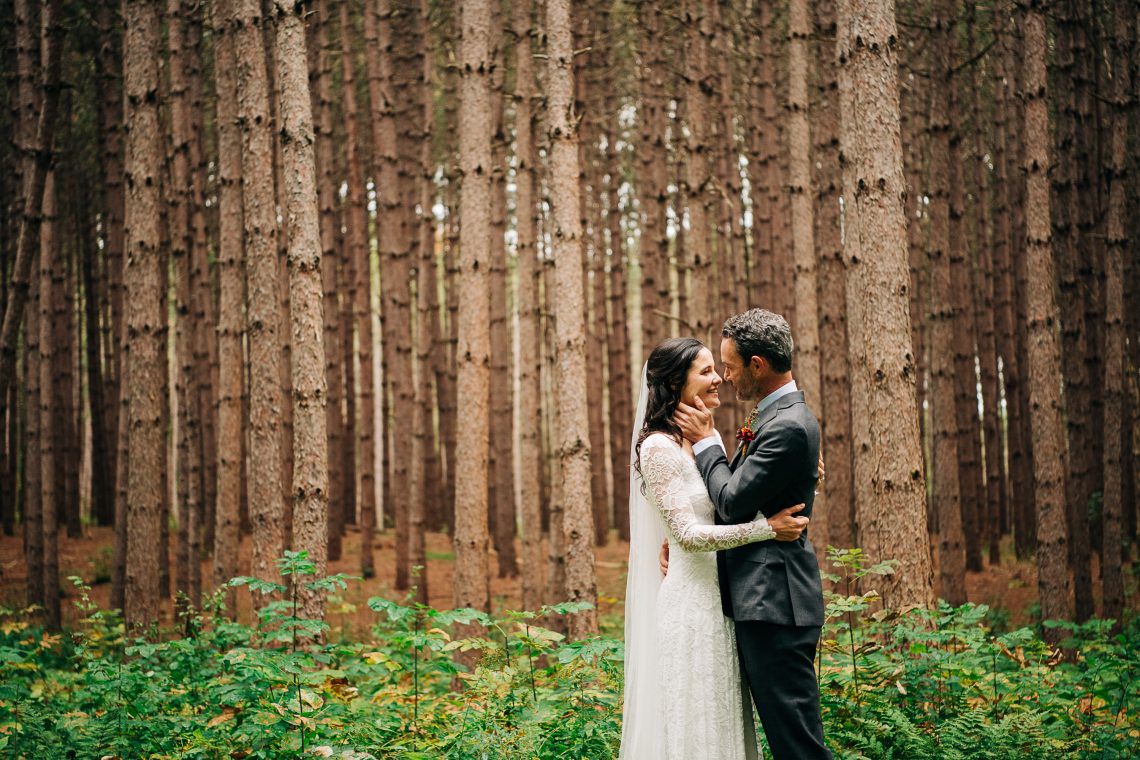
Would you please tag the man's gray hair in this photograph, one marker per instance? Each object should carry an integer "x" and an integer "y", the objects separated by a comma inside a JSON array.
[{"x": 759, "y": 332}]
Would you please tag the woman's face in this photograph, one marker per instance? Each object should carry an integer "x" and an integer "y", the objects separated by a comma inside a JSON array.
[{"x": 702, "y": 382}]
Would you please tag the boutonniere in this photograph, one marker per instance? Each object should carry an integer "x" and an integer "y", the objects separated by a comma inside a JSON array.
[{"x": 746, "y": 434}]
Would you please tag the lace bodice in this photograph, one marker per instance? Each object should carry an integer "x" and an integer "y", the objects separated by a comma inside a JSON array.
[{"x": 675, "y": 485}]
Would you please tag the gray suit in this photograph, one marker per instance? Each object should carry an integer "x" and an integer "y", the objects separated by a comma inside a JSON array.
[{"x": 772, "y": 589}]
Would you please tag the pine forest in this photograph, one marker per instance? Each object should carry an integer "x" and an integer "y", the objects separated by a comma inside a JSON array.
[{"x": 324, "y": 322}]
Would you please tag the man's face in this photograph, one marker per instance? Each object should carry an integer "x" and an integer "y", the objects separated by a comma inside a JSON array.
[{"x": 742, "y": 378}]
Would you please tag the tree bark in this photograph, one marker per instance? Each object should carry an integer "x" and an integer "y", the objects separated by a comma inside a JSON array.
[
  {"x": 888, "y": 460},
  {"x": 146, "y": 326},
  {"x": 946, "y": 489},
  {"x": 1117, "y": 246},
  {"x": 356, "y": 232},
  {"x": 474, "y": 347},
  {"x": 33, "y": 190},
  {"x": 180, "y": 207},
  {"x": 803, "y": 234},
  {"x": 338, "y": 450},
  {"x": 530, "y": 316},
  {"x": 263, "y": 285},
  {"x": 833, "y": 513},
  {"x": 51, "y": 292},
  {"x": 231, "y": 303},
  {"x": 1071, "y": 254},
  {"x": 310, "y": 441},
  {"x": 1044, "y": 350},
  {"x": 573, "y": 433}
]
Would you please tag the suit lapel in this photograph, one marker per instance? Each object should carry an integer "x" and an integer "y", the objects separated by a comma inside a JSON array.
[{"x": 767, "y": 416}]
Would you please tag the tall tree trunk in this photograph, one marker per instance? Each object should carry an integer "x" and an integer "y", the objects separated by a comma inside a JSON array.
[
  {"x": 530, "y": 316},
  {"x": 888, "y": 458},
  {"x": 474, "y": 347},
  {"x": 33, "y": 516},
  {"x": 146, "y": 326},
  {"x": 994, "y": 501},
  {"x": 946, "y": 490},
  {"x": 310, "y": 442},
  {"x": 40, "y": 151},
  {"x": 262, "y": 306},
  {"x": 356, "y": 226},
  {"x": 1117, "y": 241},
  {"x": 337, "y": 444},
  {"x": 652, "y": 181},
  {"x": 1044, "y": 350},
  {"x": 964, "y": 375},
  {"x": 833, "y": 513},
  {"x": 617, "y": 337},
  {"x": 698, "y": 174},
  {"x": 51, "y": 292},
  {"x": 1007, "y": 241},
  {"x": 1071, "y": 251},
  {"x": 381, "y": 34},
  {"x": 231, "y": 303},
  {"x": 500, "y": 491},
  {"x": 573, "y": 433},
  {"x": 181, "y": 202},
  {"x": 800, "y": 187}
]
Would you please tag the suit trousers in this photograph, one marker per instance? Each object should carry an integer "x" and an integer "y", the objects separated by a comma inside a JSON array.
[{"x": 779, "y": 662}]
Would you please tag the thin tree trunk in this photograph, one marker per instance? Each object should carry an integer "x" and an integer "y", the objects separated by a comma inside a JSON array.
[
  {"x": 530, "y": 318},
  {"x": 946, "y": 490},
  {"x": 800, "y": 187},
  {"x": 181, "y": 202},
  {"x": 356, "y": 226},
  {"x": 33, "y": 190},
  {"x": 888, "y": 459},
  {"x": 964, "y": 376},
  {"x": 1044, "y": 350},
  {"x": 617, "y": 338},
  {"x": 573, "y": 435},
  {"x": 51, "y": 291},
  {"x": 33, "y": 516},
  {"x": 231, "y": 323},
  {"x": 995, "y": 499},
  {"x": 1071, "y": 254},
  {"x": 310, "y": 441},
  {"x": 833, "y": 513},
  {"x": 474, "y": 347},
  {"x": 1117, "y": 242},
  {"x": 337, "y": 448},
  {"x": 652, "y": 184},
  {"x": 146, "y": 325},
  {"x": 263, "y": 311}
]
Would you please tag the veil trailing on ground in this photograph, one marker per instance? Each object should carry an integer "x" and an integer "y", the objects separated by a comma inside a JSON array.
[{"x": 642, "y": 732}]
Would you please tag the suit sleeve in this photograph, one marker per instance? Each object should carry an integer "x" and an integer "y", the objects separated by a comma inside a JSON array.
[{"x": 765, "y": 472}]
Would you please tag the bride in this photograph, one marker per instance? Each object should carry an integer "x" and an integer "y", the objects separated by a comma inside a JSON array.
[{"x": 684, "y": 696}]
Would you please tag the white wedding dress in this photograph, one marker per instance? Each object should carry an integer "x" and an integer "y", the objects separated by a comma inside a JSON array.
[{"x": 705, "y": 710}]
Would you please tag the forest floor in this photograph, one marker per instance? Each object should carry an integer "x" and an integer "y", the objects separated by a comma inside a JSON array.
[{"x": 1010, "y": 588}]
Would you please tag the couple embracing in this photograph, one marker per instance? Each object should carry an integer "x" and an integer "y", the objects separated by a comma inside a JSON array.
[{"x": 736, "y": 618}]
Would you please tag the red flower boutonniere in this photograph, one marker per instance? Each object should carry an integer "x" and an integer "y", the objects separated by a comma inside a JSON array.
[{"x": 746, "y": 434}]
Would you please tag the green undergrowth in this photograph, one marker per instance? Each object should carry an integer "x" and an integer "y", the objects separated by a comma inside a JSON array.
[{"x": 433, "y": 683}]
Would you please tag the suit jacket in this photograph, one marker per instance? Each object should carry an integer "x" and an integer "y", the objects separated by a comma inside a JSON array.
[{"x": 769, "y": 581}]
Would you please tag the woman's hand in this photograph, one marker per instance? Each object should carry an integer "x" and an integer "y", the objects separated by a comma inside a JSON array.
[{"x": 788, "y": 527}]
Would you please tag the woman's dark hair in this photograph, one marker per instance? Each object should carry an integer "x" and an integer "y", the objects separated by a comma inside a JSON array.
[{"x": 665, "y": 376}]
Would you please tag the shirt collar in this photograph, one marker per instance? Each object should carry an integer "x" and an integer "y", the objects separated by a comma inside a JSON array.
[{"x": 776, "y": 395}]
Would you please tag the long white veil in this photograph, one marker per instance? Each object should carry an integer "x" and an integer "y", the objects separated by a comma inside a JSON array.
[{"x": 642, "y": 731}]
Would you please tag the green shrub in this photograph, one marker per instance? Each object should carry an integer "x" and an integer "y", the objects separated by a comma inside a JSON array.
[{"x": 924, "y": 684}]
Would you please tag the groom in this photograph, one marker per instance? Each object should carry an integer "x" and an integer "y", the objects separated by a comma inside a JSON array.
[{"x": 771, "y": 589}]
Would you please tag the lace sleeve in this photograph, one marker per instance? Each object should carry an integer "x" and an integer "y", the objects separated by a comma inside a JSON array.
[{"x": 662, "y": 467}]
